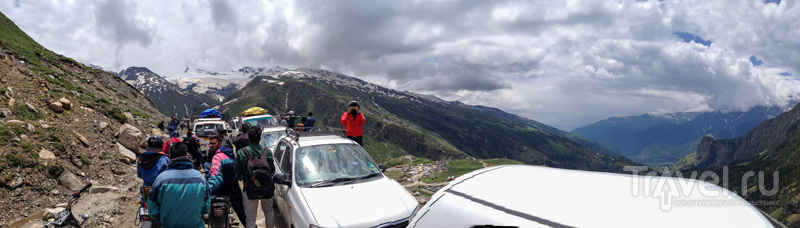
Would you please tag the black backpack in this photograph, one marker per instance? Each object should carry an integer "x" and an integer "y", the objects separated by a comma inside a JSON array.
[{"x": 258, "y": 176}]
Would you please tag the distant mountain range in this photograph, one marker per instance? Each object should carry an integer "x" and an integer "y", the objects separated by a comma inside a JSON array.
[
  {"x": 167, "y": 97},
  {"x": 400, "y": 122},
  {"x": 772, "y": 146},
  {"x": 665, "y": 139}
]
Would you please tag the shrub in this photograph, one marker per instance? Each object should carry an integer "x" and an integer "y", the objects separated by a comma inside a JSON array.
[
  {"x": 22, "y": 111},
  {"x": 55, "y": 171}
]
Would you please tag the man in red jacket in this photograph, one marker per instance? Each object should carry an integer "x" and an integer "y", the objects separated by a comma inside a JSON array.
[{"x": 353, "y": 121}]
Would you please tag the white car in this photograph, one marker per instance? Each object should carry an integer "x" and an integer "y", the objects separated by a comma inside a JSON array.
[
  {"x": 329, "y": 181},
  {"x": 271, "y": 135},
  {"x": 531, "y": 196},
  {"x": 207, "y": 127},
  {"x": 260, "y": 120}
]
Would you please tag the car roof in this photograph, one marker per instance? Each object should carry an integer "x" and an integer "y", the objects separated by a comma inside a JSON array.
[
  {"x": 274, "y": 129},
  {"x": 509, "y": 195},
  {"x": 319, "y": 139}
]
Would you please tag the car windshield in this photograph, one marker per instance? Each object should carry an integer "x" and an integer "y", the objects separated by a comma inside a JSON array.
[
  {"x": 326, "y": 165},
  {"x": 206, "y": 130},
  {"x": 261, "y": 122},
  {"x": 268, "y": 139}
]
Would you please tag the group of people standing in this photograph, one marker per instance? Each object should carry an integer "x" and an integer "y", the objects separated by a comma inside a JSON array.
[{"x": 180, "y": 195}]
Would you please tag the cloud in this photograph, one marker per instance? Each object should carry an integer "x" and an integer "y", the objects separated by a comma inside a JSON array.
[{"x": 564, "y": 63}]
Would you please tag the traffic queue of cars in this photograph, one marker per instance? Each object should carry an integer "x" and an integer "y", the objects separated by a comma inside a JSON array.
[{"x": 325, "y": 180}]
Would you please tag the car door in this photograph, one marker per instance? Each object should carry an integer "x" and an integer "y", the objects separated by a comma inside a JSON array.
[{"x": 285, "y": 167}]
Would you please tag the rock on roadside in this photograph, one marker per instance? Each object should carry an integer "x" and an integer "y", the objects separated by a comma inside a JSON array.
[
  {"x": 65, "y": 103},
  {"x": 70, "y": 181},
  {"x": 102, "y": 189},
  {"x": 56, "y": 107},
  {"x": 50, "y": 213},
  {"x": 130, "y": 136},
  {"x": 127, "y": 155}
]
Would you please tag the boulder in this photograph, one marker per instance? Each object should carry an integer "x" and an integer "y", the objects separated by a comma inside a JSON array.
[
  {"x": 50, "y": 213},
  {"x": 5, "y": 113},
  {"x": 102, "y": 189},
  {"x": 103, "y": 125},
  {"x": 127, "y": 155},
  {"x": 130, "y": 136},
  {"x": 128, "y": 116},
  {"x": 46, "y": 154},
  {"x": 11, "y": 102},
  {"x": 15, "y": 122},
  {"x": 23, "y": 136},
  {"x": 155, "y": 131},
  {"x": 105, "y": 155},
  {"x": 16, "y": 182},
  {"x": 81, "y": 138},
  {"x": 70, "y": 181},
  {"x": 31, "y": 107},
  {"x": 45, "y": 126},
  {"x": 9, "y": 93},
  {"x": 56, "y": 107},
  {"x": 31, "y": 129},
  {"x": 66, "y": 103}
]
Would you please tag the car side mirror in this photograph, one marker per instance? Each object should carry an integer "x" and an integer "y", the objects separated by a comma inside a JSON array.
[
  {"x": 282, "y": 179},
  {"x": 382, "y": 167}
]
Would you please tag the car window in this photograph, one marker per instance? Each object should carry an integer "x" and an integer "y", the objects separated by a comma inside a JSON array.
[
  {"x": 278, "y": 154},
  {"x": 206, "y": 130},
  {"x": 268, "y": 139},
  {"x": 286, "y": 162},
  {"x": 322, "y": 163},
  {"x": 261, "y": 122}
]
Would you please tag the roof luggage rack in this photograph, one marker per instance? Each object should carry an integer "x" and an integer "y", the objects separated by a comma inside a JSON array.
[{"x": 316, "y": 131}]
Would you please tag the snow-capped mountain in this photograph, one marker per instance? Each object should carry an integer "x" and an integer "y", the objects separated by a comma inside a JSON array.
[
  {"x": 167, "y": 97},
  {"x": 219, "y": 85}
]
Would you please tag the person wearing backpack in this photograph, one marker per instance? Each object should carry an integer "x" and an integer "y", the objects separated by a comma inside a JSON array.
[
  {"x": 254, "y": 168},
  {"x": 222, "y": 178},
  {"x": 193, "y": 145},
  {"x": 174, "y": 137}
]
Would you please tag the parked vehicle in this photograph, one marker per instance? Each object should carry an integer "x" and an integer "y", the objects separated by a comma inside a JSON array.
[
  {"x": 532, "y": 196},
  {"x": 324, "y": 180},
  {"x": 143, "y": 215},
  {"x": 220, "y": 214},
  {"x": 271, "y": 135},
  {"x": 207, "y": 127},
  {"x": 65, "y": 218}
]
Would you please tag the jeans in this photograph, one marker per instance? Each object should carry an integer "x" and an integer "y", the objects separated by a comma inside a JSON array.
[{"x": 251, "y": 211}]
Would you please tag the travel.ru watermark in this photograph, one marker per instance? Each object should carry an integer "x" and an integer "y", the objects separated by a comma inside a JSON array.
[{"x": 680, "y": 190}]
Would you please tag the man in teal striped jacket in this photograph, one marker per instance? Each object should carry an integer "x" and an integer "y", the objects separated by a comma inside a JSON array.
[{"x": 180, "y": 195}]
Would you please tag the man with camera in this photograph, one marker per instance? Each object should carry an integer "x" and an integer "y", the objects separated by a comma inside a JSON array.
[{"x": 353, "y": 121}]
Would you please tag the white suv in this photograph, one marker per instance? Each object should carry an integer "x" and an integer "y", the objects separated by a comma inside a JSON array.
[{"x": 324, "y": 180}]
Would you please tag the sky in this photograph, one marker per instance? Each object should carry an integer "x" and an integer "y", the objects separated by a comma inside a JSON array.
[{"x": 563, "y": 63}]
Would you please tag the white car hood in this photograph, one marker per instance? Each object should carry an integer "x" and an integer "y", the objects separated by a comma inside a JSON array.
[{"x": 364, "y": 204}]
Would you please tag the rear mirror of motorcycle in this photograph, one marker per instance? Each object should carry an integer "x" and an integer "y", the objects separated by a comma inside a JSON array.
[{"x": 85, "y": 216}]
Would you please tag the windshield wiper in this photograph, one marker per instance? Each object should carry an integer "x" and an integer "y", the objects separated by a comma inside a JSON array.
[{"x": 331, "y": 182}]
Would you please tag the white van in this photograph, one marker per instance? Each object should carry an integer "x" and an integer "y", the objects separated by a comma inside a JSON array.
[{"x": 207, "y": 127}]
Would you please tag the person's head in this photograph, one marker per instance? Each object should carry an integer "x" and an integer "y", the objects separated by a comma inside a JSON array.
[
  {"x": 291, "y": 113},
  {"x": 189, "y": 134},
  {"x": 254, "y": 135},
  {"x": 177, "y": 150},
  {"x": 174, "y": 117},
  {"x": 300, "y": 127},
  {"x": 304, "y": 119},
  {"x": 245, "y": 128},
  {"x": 353, "y": 105},
  {"x": 222, "y": 132},
  {"x": 155, "y": 143},
  {"x": 310, "y": 114},
  {"x": 215, "y": 143}
]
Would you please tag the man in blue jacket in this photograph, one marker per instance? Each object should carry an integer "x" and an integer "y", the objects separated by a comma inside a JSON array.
[
  {"x": 152, "y": 162},
  {"x": 180, "y": 195},
  {"x": 222, "y": 177}
]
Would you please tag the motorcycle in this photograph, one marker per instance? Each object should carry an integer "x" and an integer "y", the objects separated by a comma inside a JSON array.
[
  {"x": 142, "y": 215},
  {"x": 220, "y": 215},
  {"x": 65, "y": 218}
]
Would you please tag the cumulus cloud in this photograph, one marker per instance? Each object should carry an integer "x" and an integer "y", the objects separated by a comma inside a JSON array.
[{"x": 565, "y": 63}]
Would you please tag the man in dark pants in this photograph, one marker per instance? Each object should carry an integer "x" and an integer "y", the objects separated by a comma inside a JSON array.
[
  {"x": 223, "y": 180},
  {"x": 193, "y": 146},
  {"x": 353, "y": 121}
]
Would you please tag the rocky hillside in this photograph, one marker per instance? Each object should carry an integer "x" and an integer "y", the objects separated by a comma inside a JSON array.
[
  {"x": 167, "y": 97},
  {"x": 773, "y": 146},
  {"x": 60, "y": 125},
  {"x": 406, "y": 123},
  {"x": 664, "y": 139}
]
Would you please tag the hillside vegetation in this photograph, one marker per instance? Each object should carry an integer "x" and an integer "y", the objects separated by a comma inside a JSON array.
[
  {"x": 406, "y": 123},
  {"x": 58, "y": 120}
]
